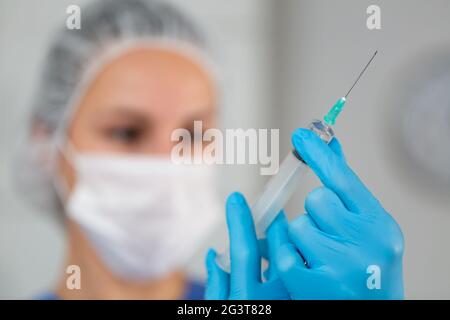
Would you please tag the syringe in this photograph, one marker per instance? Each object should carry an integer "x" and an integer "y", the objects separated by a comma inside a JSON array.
[{"x": 282, "y": 185}]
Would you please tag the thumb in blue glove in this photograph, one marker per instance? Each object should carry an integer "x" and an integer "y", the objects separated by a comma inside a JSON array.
[
  {"x": 346, "y": 246},
  {"x": 244, "y": 280}
]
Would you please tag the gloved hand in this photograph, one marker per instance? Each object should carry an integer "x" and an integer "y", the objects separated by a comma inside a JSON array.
[
  {"x": 346, "y": 246},
  {"x": 245, "y": 281}
]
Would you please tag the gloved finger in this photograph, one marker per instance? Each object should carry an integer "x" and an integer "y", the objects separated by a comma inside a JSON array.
[
  {"x": 277, "y": 235},
  {"x": 218, "y": 284},
  {"x": 333, "y": 171},
  {"x": 313, "y": 244},
  {"x": 336, "y": 146},
  {"x": 245, "y": 258},
  {"x": 288, "y": 264},
  {"x": 263, "y": 249},
  {"x": 288, "y": 257},
  {"x": 272, "y": 290},
  {"x": 301, "y": 282},
  {"x": 327, "y": 211}
]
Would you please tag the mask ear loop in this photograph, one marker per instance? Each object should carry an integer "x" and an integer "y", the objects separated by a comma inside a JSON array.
[{"x": 67, "y": 150}]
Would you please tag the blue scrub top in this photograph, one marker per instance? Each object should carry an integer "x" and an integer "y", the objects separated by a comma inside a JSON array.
[{"x": 194, "y": 291}]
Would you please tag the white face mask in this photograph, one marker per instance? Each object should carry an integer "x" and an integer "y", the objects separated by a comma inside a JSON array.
[{"x": 144, "y": 215}]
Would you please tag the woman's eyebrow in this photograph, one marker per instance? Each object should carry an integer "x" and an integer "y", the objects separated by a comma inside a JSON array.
[{"x": 126, "y": 112}]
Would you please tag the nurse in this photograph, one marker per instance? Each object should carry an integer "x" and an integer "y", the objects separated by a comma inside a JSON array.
[{"x": 111, "y": 95}]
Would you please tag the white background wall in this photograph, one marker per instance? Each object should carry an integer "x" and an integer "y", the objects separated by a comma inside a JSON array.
[{"x": 284, "y": 62}]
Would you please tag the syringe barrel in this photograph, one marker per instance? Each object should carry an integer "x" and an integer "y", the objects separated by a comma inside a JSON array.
[
  {"x": 279, "y": 189},
  {"x": 272, "y": 200},
  {"x": 277, "y": 192}
]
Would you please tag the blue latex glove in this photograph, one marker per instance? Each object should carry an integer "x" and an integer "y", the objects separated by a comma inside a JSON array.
[
  {"x": 346, "y": 242},
  {"x": 246, "y": 251}
]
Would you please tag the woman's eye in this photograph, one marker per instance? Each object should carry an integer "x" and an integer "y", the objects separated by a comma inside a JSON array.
[{"x": 126, "y": 135}]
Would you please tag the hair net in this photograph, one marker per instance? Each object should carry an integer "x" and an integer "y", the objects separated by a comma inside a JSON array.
[{"x": 108, "y": 29}]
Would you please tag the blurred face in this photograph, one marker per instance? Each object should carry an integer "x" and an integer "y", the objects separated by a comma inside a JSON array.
[{"x": 135, "y": 103}]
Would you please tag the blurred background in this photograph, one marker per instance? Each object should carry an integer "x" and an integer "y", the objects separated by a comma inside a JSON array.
[{"x": 283, "y": 63}]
